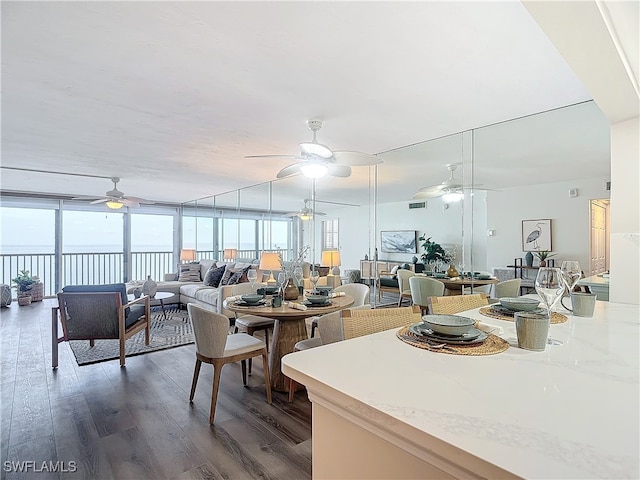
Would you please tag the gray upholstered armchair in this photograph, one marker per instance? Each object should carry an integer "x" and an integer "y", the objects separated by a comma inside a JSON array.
[{"x": 94, "y": 312}]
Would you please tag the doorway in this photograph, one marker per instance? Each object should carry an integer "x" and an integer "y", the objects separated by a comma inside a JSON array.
[{"x": 599, "y": 233}]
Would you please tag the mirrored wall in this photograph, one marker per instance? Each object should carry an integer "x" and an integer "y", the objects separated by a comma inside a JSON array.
[{"x": 545, "y": 166}]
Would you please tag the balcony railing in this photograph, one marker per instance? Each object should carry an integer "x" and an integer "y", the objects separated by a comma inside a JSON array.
[{"x": 99, "y": 267}]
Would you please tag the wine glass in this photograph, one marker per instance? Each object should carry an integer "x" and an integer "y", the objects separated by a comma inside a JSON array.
[
  {"x": 550, "y": 287},
  {"x": 282, "y": 277},
  {"x": 297, "y": 275},
  {"x": 314, "y": 276},
  {"x": 571, "y": 273},
  {"x": 252, "y": 276}
]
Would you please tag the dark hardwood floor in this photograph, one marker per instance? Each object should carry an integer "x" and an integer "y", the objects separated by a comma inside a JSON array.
[{"x": 136, "y": 422}]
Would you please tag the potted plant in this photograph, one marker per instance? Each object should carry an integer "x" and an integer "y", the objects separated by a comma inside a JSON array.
[
  {"x": 542, "y": 256},
  {"x": 23, "y": 284},
  {"x": 433, "y": 252}
]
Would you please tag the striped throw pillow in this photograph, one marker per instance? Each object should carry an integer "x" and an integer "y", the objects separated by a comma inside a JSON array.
[{"x": 189, "y": 272}]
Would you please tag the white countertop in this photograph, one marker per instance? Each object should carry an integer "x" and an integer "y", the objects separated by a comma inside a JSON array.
[{"x": 571, "y": 411}]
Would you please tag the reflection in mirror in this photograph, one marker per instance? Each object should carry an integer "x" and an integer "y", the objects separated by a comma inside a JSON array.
[{"x": 544, "y": 166}]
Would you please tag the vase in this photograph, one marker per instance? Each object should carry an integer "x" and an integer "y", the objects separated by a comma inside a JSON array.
[
  {"x": 414, "y": 260},
  {"x": 543, "y": 263},
  {"x": 528, "y": 258},
  {"x": 291, "y": 291},
  {"x": 452, "y": 272},
  {"x": 24, "y": 300},
  {"x": 149, "y": 287}
]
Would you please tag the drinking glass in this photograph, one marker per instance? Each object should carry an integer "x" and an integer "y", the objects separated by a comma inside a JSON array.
[
  {"x": 571, "y": 273},
  {"x": 550, "y": 287},
  {"x": 252, "y": 276},
  {"x": 314, "y": 276}
]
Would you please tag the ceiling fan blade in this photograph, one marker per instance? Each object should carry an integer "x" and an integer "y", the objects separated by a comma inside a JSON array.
[
  {"x": 289, "y": 171},
  {"x": 128, "y": 202},
  {"x": 100, "y": 200},
  {"x": 318, "y": 213},
  {"x": 137, "y": 200},
  {"x": 338, "y": 170},
  {"x": 423, "y": 195},
  {"x": 356, "y": 159},
  {"x": 271, "y": 156},
  {"x": 432, "y": 189}
]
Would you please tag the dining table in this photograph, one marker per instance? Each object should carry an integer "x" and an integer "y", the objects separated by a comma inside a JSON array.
[
  {"x": 455, "y": 285},
  {"x": 289, "y": 328},
  {"x": 383, "y": 408}
]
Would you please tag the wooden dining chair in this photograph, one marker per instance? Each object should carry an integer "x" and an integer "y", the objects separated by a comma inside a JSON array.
[
  {"x": 214, "y": 345},
  {"x": 456, "y": 303},
  {"x": 356, "y": 323}
]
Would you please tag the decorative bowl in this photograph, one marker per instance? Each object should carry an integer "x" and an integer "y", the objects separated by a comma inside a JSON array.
[
  {"x": 251, "y": 298},
  {"x": 270, "y": 290},
  {"x": 448, "y": 324},
  {"x": 317, "y": 299},
  {"x": 324, "y": 289},
  {"x": 519, "y": 304}
]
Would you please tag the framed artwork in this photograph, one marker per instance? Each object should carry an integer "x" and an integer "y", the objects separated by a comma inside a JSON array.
[
  {"x": 399, "y": 241},
  {"x": 536, "y": 235}
]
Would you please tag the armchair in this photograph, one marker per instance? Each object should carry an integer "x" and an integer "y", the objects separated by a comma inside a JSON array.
[{"x": 93, "y": 312}]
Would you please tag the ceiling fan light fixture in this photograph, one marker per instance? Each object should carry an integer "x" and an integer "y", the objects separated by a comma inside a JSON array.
[
  {"x": 114, "y": 205},
  {"x": 305, "y": 216},
  {"x": 313, "y": 148},
  {"x": 451, "y": 197},
  {"x": 314, "y": 169}
]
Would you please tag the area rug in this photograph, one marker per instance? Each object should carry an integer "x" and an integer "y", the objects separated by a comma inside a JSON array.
[{"x": 173, "y": 332}]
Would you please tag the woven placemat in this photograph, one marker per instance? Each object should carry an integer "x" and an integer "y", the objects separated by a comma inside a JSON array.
[
  {"x": 490, "y": 346},
  {"x": 489, "y": 312}
]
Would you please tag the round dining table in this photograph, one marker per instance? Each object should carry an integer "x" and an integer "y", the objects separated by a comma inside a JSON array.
[
  {"x": 289, "y": 328},
  {"x": 455, "y": 285}
]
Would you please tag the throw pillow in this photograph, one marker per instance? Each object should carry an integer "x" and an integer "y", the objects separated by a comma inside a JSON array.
[
  {"x": 233, "y": 276},
  {"x": 394, "y": 270},
  {"x": 214, "y": 275},
  {"x": 189, "y": 272}
]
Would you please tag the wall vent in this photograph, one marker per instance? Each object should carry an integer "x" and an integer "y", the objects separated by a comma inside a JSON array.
[
  {"x": 418, "y": 205},
  {"x": 607, "y": 186}
]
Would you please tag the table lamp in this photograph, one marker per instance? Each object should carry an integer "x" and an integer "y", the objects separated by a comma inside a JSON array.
[
  {"x": 331, "y": 259},
  {"x": 187, "y": 255},
  {"x": 271, "y": 262},
  {"x": 230, "y": 253}
]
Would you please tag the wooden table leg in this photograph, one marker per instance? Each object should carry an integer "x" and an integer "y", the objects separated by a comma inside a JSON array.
[{"x": 286, "y": 333}]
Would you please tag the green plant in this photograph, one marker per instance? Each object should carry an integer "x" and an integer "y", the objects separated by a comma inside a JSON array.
[
  {"x": 543, "y": 255},
  {"x": 23, "y": 282},
  {"x": 432, "y": 251}
]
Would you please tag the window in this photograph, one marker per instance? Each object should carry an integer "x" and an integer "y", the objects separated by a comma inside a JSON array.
[{"x": 329, "y": 234}]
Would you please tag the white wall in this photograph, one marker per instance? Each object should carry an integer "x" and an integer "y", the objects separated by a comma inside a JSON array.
[{"x": 569, "y": 219}]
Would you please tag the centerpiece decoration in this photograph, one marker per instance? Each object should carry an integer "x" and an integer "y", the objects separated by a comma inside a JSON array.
[
  {"x": 290, "y": 290},
  {"x": 434, "y": 254},
  {"x": 24, "y": 282}
]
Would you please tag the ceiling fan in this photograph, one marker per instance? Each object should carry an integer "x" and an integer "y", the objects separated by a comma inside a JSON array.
[
  {"x": 317, "y": 160},
  {"x": 451, "y": 190},
  {"x": 115, "y": 199},
  {"x": 305, "y": 213}
]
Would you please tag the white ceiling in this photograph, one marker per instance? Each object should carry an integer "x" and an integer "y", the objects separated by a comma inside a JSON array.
[{"x": 171, "y": 96}]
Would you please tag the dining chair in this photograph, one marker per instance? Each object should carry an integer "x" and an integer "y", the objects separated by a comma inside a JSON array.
[
  {"x": 251, "y": 323},
  {"x": 214, "y": 345},
  {"x": 358, "y": 291},
  {"x": 508, "y": 288},
  {"x": 356, "y": 323},
  {"x": 403, "y": 284},
  {"x": 456, "y": 303},
  {"x": 422, "y": 288}
]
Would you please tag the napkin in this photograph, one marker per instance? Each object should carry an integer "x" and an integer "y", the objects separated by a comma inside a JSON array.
[
  {"x": 297, "y": 306},
  {"x": 336, "y": 294},
  {"x": 234, "y": 298},
  {"x": 488, "y": 328}
]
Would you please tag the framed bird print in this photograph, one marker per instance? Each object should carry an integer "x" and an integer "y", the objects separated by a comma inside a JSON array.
[{"x": 536, "y": 235}]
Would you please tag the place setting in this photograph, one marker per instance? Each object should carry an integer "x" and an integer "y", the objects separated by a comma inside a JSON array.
[
  {"x": 507, "y": 308},
  {"x": 453, "y": 334},
  {"x": 317, "y": 301},
  {"x": 249, "y": 300}
]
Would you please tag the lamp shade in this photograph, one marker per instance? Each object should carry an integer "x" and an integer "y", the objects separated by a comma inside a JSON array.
[
  {"x": 330, "y": 258},
  {"x": 187, "y": 255},
  {"x": 269, "y": 261},
  {"x": 230, "y": 253}
]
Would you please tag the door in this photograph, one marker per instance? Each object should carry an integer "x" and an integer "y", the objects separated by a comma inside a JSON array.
[{"x": 599, "y": 255}]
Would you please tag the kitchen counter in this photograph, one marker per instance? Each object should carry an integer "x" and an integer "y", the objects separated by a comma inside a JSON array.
[
  {"x": 598, "y": 285},
  {"x": 385, "y": 409}
]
